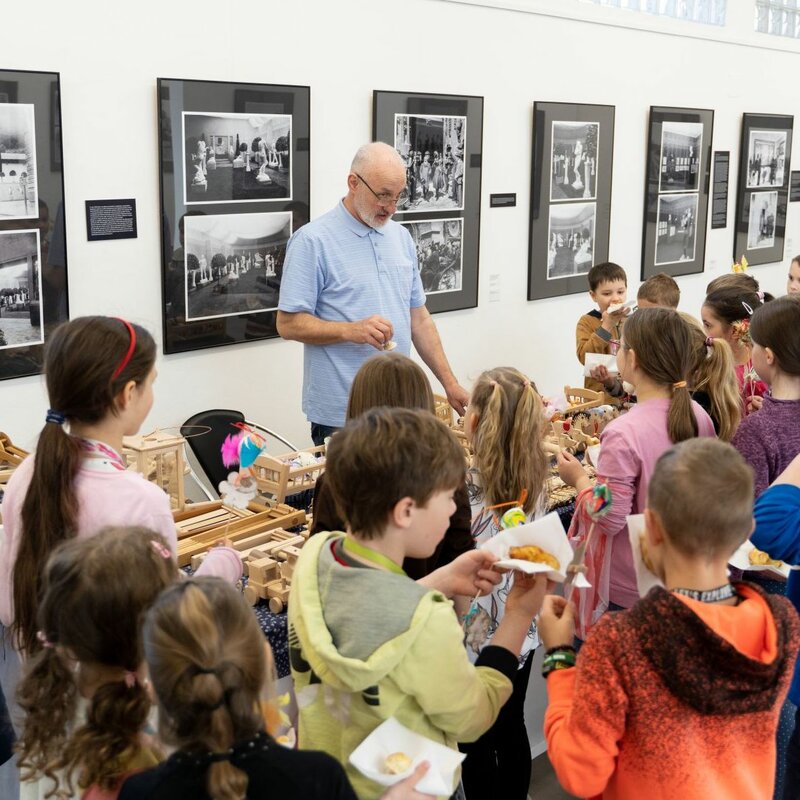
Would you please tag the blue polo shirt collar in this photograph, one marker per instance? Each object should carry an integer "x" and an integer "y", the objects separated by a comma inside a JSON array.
[{"x": 357, "y": 227}]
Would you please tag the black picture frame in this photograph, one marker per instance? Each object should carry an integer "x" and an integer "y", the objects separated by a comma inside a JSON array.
[
  {"x": 763, "y": 190},
  {"x": 34, "y": 296},
  {"x": 676, "y": 190},
  {"x": 441, "y": 208},
  {"x": 570, "y": 213},
  {"x": 225, "y": 228}
]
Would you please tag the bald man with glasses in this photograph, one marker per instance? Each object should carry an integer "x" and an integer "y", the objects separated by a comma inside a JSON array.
[{"x": 351, "y": 287}]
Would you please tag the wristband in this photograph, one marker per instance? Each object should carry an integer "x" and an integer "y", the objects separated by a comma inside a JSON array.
[{"x": 559, "y": 659}]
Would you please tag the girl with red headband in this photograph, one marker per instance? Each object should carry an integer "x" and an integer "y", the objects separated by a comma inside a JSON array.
[{"x": 100, "y": 373}]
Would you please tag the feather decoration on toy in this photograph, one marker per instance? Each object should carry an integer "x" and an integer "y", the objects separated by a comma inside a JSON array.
[{"x": 242, "y": 448}]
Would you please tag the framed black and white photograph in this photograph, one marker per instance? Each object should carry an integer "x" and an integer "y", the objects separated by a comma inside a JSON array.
[
  {"x": 766, "y": 157},
  {"x": 571, "y": 240},
  {"x": 233, "y": 263},
  {"x": 676, "y": 231},
  {"x": 440, "y": 139},
  {"x": 237, "y": 158},
  {"x": 573, "y": 154},
  {"x": 20, "y": 289},
  {"x": 33, "y": 246},
  {"x": 434, "y": 149},
  {"x": 761, "y": 220},
  {"x": 681, "y": 158},
  {"x": 439, "y": 245},
  {"x": 235, "y": 169},
  {"x": 19, "y": 198},
  {"x": 763, "y": 190},
  {"x": 573, "y": 161},
  {"x": 676, "y": 190}
]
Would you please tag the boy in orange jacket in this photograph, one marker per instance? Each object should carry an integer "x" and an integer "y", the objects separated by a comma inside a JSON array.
[{"x": 680, "y": 695}]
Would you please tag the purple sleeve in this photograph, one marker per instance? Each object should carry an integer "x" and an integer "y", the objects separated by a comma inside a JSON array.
[
  {"x": 752, "y": 445},
  {"x": 620, "y": 467},
  {"x": 222, "y": 562}
]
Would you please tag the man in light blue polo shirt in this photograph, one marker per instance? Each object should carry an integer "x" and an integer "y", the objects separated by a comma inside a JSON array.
[{"x": 351, "y": 286}]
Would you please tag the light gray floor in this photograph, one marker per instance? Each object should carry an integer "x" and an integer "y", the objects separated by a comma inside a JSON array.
[{"x": 544, "y": 784}]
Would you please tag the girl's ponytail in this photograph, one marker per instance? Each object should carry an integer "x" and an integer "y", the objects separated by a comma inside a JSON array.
[{"x": 681, "y": 421}]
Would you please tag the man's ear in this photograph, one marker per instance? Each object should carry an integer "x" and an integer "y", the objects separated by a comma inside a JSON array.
[
  {"x": 352, "y": 182},
  {"x": 401, "y": 514}
]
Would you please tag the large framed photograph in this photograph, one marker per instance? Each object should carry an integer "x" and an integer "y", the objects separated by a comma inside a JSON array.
[
  {"x": 573, "y": 151},
  {"x": 235, "y": 167},
  {"x": 676, "y": 190},
  {"x": 440, "y": 139},
  {"x": 33, "y": 251},
  {"x": 763, "y": 193}
]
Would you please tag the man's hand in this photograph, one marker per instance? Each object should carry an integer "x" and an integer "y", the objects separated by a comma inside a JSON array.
[
  {"x": 556, "y": 623},
  {"x": 458, "y": 397},
  {"x": 374, "y": 331},
  {"x": 601, "y": 373}
]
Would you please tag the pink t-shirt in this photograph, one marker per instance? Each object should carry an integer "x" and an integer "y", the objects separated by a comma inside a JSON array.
[
  {"x": 630, "y": 447},
  {"x": 112, "y": 498}
]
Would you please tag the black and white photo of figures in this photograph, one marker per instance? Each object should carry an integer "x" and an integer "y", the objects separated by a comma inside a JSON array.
[
  {"x": 236, "y": 158},
  {"x": 680, "y": 156},
  {"x": 432, "y": 149},
  {"x": 570, "y": 248},
  {"x": 234, "y": 263},
  {"x": 676, "y": 231},
  {"x": 20, "y": 289},
  {"x": 761, "y": 220},
  {"x": 766, "y": 158},
  {"x": 18, "y": 192},
  {"x": 439, "y": 245},
  {"x": 573, "y": 161}
]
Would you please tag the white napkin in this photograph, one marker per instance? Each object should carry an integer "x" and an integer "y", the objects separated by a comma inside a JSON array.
[
  {"x": 547, "y": 533},
  {"x": 391, "y": 737},
  {"x": 593, "y": 454},
  {"x": 741, "y": 560},
  {"x": 645, "y": 580},
  {"x": 592, "y": 360}
]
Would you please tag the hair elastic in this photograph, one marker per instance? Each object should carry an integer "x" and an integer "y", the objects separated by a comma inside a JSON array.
[
  {"x": 760, "y": 295},
  {"x": 526, "y": 383},
  {"x": 679, "y": 385},
  {"x": 130, "y": 678},
  {"x": 131, "y": 347},
  {"x": 55, "y": 417},
  {"x": 41, "y": 637},
  {"x": 709, "y": 341},
  {"x": 203, "y": 671},
  {"x": 161, "y": 549}
]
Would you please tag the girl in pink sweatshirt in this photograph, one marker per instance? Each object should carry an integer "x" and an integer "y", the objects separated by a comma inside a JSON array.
[
  {"x": 100, "y": 373},
  {"x": 656, "y": 357}
]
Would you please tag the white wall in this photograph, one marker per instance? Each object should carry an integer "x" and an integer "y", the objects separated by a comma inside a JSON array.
[{"x": 110, "y": 55}]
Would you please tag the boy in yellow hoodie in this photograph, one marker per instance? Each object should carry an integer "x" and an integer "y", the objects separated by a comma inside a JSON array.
[{"x": 366, "y": 642}]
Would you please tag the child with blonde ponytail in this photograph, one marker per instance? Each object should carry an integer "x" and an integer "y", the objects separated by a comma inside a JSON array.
[
  {"x": 505, "y": 424},
  {"x": 713, "y": 381}
]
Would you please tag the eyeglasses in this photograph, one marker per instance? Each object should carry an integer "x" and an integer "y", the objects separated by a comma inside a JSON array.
[{"x": 384, "y": 198}]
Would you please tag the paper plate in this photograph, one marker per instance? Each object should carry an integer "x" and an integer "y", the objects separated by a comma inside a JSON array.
[
  {"x": 547, "y": 533},
  {"x": 592, "y": 360},
  {"x": 389, "y": 737}
]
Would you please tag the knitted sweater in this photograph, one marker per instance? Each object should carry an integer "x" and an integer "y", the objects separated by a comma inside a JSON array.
[
  {"x": 675, "y": 699},
  {"x": 769, "y": 440}
]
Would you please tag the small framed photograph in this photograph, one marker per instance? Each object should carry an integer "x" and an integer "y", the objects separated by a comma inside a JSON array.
[
  {"x": 763, "y": 191},
  {"x": 439, "y": 137},
  {"x": 33, "y": 249},
  {"x": 573, "y": 152},
  {"x": 439, "y": 244},
  {"x": 235, "y": 165},
  {"x": 676, "y": 190}
]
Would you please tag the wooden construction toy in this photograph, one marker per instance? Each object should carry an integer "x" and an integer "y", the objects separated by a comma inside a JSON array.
[
  {"x": 580, "y": 399},
  {"x": 11, "y": 457},
  {"x": 203, "y": 525},
  {"x": 443, "y": 410},
  {"x": 158, "y": 456},
  {"x": 289, "y": 473}
]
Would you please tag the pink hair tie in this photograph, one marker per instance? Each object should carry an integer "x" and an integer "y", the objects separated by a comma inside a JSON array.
[
  {"x": 41, "y": 637},
  {"x": 163, "y": 551},
  {"x": 130, "y": 678},
  {"x": 709, "y": 341},
  {"x": 492, "y": 383},
  {"x": 526, "y": 383},
  {"x": 131, "y": 347}
]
